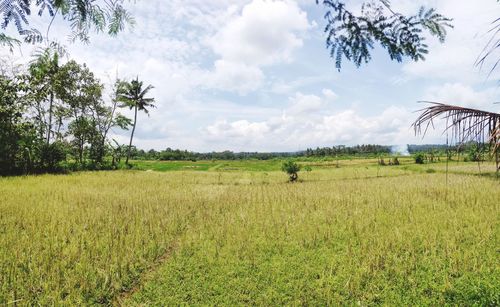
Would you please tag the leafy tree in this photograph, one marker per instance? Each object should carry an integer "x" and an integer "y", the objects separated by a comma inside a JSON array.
[
  {"x": 82, "y": 94},
  {"x": 53, "y": 110},
  {"x": 83, "y": 17},
  {"x": 133, "y": 96},
  {"x": 105, "y": 118},
  {"x": 292, "y": 169},
  {"x": 82, "y": 131},
  {"x": 43, "y": 81},
  {"x": 476, "y": 152},
  {"x": 352, "y": 36},
  {"x": 10, "y": 125}
]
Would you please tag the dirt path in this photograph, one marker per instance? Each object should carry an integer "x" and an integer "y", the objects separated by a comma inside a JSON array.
[{"x": 122, "y": 297}]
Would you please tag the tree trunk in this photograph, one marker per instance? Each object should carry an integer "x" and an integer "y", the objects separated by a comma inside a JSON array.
[
  {"x": 50, "y": 117},
  {"x": 131, "y": 136},
  {"x": 497, "y": 158},
  {"x": 82, "y": 143},
  {"x": 497, "y": 162}
]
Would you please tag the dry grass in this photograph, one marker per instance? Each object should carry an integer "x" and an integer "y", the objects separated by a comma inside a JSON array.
[{"x": 341, "y": 236}]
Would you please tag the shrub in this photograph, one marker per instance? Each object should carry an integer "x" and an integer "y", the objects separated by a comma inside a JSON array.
[
  {"x": 419, "y": 158},
  {"x": 292, "y": 169},
  {"x": 475, "y": 153},
  {"x": 51, "y": 155}
]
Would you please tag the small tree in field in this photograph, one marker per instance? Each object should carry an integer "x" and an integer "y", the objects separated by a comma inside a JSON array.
[
  {"x": 419, "y": 158},
  {"x": 292, "y": 169}
]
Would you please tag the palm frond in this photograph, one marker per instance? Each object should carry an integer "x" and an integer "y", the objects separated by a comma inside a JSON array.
[
  {"x": 465, "y": 124},
  {"x": 8, "y": 41},
  {"x": 491, "y": 48}
]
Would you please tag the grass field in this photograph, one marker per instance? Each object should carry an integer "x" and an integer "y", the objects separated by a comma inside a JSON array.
[{"x": 234, "y": 233}]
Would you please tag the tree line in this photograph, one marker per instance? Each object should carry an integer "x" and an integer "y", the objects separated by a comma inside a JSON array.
[
  {"x": 54, "y": 116},
  {"x": 342, "y": 150},
  {"x": 170, "y": 154}
]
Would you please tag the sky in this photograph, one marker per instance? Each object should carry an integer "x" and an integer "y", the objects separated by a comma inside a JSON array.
[{"x": 255, "y": 75}]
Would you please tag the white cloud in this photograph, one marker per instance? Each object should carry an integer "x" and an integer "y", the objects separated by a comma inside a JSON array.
[
  {"x": 329, "y": 94},
  {"x": 234, "y": 76},
  {"x": 463, "y": 95},
  {"x": 287, "y": 87},
  {"x": 310, "y": 104},
  {"x": 238, "y": 129},
  {"x": 301, "y": 104},
  {"x": 454, "y": 60},
  {"x": 309, "y": 121},
  {"x": 266, "y": 32}
]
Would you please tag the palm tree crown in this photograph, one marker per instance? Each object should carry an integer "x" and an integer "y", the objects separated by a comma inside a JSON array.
[{"x": 133, "y": 95}]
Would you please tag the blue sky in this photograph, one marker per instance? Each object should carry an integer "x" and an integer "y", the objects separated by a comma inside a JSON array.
[{"x": 254, "y": 75}]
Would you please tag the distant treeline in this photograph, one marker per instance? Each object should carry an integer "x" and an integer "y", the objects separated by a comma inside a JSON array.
[
  {"x": 443, "y": 149},
  {"x": 180, "y": 155},
  {"x": 369, "y": 150},
  {"x": 342, "y": 150},
  {"x": 429, "y": 147}
]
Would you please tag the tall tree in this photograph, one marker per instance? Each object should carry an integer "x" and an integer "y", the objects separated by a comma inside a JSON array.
[
  {"x": 81, "y": 93},
  {"x": 134, "y": 97},
  {"x": 352, "y": 35},
  {"x": 105, "y": 117},
  {"x": 11, "y": 111},
  {"x": 43, "y": 79}
]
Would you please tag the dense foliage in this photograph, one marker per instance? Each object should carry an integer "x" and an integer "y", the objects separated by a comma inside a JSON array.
[
  {"x": 341, "y": 150},
  {"x": 53, "y": 118},
  {"x": 83, "y": 16},
  {"x": 430, "y": 152},
  {"x": 352, "y": 35},
  {"x": 292, "y": 169}
]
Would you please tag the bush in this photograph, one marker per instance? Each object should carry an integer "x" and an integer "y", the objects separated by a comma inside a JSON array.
[
  {"x": 475, "y": 153},
  {"x": 292, "y": 169},
  {"x": 51, "y": 155},
  {"x": 419, "y": 158}
]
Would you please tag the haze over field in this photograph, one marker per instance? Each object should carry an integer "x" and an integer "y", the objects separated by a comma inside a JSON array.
[{"x": 254, "y": 75}]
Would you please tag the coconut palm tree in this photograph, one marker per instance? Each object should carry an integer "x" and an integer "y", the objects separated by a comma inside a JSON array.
[
  {"x": 465, "y": 124},
  {"x": 133, "y": 96}
]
